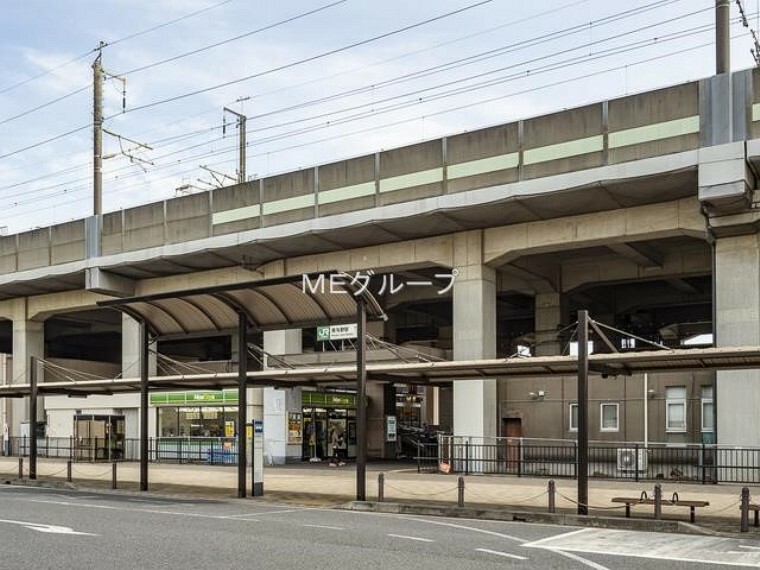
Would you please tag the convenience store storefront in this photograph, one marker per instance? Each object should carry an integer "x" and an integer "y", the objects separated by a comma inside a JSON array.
[{"x": 196, "y": 414}]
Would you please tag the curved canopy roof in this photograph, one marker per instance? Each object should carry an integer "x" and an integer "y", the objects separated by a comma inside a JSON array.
[{"x": 292, "y": 302}]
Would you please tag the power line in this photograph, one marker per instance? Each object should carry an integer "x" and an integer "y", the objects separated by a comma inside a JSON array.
[
  {"x": 305, "y": 60},
  {"x": 117, "y": 41},
  {"x": 233, "y": 39},
  {"x": 44, "y": 142},
  {"x": 165, "y": 24},
  {"x": 445, "y": 111},
  {"x": 451, "y": 93},
  {"x": 511, "y": 23},
  {"x": 286, "y": 66}
]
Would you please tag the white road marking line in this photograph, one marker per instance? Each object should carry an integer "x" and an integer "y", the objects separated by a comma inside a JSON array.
[
  {"x": 151, "y": 511},
  {"x": 417, "y": 538},
  {"x": 522, "y": 541},
  {"x": 586, "y": 561},
  {"x": 324, "y": 526},
  {"x": 712, "y": 551},
  {"x": 471, "y": 528},
  {"x": 749, "y": 547},
  {"x": 48, "y": 528},
  {"x": 268, "y": 513},
  {"x": 540, "y": 543},
  {"x": 500, "y": 553}
]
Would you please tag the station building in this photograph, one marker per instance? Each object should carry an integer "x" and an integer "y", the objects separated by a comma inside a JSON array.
[{"x": 482, "y": 244}]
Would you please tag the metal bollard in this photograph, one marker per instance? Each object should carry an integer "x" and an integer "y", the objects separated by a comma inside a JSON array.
[
  {"x": 20, "y": 467},
  {"x": 745, "y": 510},
  {"x": 113, "y": 475},
  {"x": 460, "y": 491},
  {"x": 381, "y": 487},
  {"x": 552, "y": 496},
  {"x": 657, "y": 501},
  {"x": 68, "y": 471}
]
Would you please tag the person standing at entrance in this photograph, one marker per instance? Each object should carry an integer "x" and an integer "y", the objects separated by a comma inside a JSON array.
[{"x": 336, "y": 443}]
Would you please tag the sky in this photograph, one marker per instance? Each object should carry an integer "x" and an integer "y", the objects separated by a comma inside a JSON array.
[{"x": 319, "y": 80}]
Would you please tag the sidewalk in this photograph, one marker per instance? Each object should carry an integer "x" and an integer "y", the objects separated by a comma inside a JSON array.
[{"x": 321, "y": 485}]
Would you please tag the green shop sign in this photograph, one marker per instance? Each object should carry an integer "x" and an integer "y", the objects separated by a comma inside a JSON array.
[
  {"x": 215, "y": 397},
  {"x": 328, "y": 399}
]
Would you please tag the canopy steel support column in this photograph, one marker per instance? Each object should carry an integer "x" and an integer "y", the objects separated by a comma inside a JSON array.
[
  {"x": 361, "y": 400},
  {"x": 33, "y": 418},
  {"x": 582, "y": 412},
  {"x": 144, "y": 358},
  {"x": 242, "y": 401}
]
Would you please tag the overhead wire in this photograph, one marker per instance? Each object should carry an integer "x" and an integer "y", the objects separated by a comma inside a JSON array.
[
  {"x": 89, "y": 53},
  {"x": 266, "y": 72},
  {"x": 305, "y": 60},
  {"x": 510, "y": 47},
  {"x": 271, "y": 138},
  {"x": 413, "y": 119},
  {"x": 232, "y": 39},
  {"x": 449, "y": 110}
]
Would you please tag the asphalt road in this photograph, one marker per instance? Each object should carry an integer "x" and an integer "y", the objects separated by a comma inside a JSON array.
[{"x": 42, "y": 528}]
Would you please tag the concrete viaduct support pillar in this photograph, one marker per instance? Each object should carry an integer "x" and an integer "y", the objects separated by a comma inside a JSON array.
[
  {"x": 279, "y": 402},
  {"x": 474, "y": 299},
  {"x": 737, "y": 292},
  {"x": 130, "y": 368},
  {"x": 548, "y": 316},
  {"x": 28, "y": 341}
]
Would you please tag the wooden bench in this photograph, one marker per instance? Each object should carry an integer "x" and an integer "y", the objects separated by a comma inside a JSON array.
[{"x": 673, "y": 502}]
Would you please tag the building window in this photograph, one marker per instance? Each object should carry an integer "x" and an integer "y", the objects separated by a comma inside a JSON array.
[
  {"x": 708, "y": 417},
  {"x": 675, "y": 409},
  {"x": 608, "y": 414},
  {"x": 573, "y": 417}
]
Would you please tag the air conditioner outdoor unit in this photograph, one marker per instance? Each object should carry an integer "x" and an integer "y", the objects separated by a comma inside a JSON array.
[{"x": 626, "y": 460}]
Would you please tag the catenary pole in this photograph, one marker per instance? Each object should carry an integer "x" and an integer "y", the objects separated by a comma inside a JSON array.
[
  {"x": 583, "y": 412},
  {"x": 722, "y": 36}
]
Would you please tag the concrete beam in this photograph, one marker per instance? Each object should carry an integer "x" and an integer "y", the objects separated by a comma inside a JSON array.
[
  {"x": 41, "y": 307},
  {"x": 676, "y": 264},
  {"x": 99, "y": 281},
  {"x": 537, "y": 282},
  {"x": 654, "y": 221},
  {"x": 683, "y": 286},
  {"x": 640, "y": 253},
  {"x": 425, "y": 252}
]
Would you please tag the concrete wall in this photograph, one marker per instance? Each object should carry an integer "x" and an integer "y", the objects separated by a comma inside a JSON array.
[{"x": 549, "y": 417}]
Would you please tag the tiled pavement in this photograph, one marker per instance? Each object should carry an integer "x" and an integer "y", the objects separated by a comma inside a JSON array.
[{"x": 319, "y": 484}]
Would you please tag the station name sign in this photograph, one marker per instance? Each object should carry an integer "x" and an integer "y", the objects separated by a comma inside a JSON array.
[{"x": 336, "y": 332}]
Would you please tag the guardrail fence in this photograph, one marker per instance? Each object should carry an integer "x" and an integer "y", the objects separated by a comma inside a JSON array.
[
  {"x": 698, "y": 463},
  {"x": 212, "y": 450}
]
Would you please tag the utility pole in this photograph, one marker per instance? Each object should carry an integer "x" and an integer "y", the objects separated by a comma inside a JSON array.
[
  {"x": 722, "y": 37},
  {"x": 241, "y": 124},
  {"x": 99, "y": 75},
  {"x": 582, "y": 412},
  {"x": 97, "y": 133}
]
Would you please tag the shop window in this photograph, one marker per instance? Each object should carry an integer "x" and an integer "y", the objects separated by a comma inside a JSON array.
[
  {"x": 675, "y": 409},
  {"x": 608, "y": 414},
  {"x": 197, "y": 421}
]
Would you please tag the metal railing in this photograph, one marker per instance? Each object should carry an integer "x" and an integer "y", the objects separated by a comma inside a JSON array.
[
  {"x": 697, "y": 463},
  {"x": 211, "y": 450}
]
